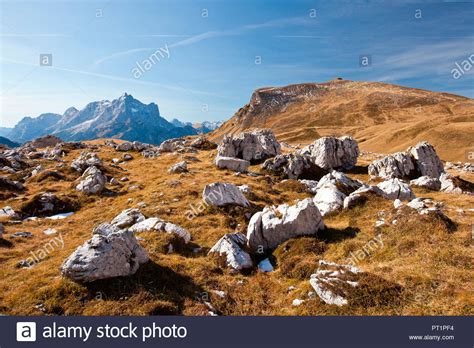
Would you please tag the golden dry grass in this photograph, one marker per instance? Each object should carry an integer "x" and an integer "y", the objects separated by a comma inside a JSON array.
[{"x": 433, "y": 265}]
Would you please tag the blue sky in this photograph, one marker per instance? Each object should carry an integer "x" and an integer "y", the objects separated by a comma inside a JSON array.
[{"x": 214, "y": 48}]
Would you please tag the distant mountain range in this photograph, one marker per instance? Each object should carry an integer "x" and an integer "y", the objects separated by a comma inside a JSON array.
[
  {"x": 124, "y": 118},
  {"x": 201, "y": 128}
]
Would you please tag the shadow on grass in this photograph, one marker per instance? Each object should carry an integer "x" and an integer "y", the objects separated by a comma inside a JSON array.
[
  {"x": 162, "y": 283},
  {"x": 358, "y": 170},
  {"x": 5, "y": 243},
  {"x": 334, "y": 235}
]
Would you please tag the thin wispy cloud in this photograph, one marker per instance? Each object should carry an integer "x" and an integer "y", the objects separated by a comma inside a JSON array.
[
  {"x": 213, "y": 34},
  {"x": 117, "y": 78}
]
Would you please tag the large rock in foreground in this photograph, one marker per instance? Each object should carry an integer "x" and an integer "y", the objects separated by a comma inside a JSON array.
[
  {"x": 220, "y": 194},
  {"x": 102, "y": 257},
  {"x": 231, "y": 247},
  {"x": 255, "y": 146},
  {"x": 333, "y": 153},
  {"x": 274, "y": 225}
]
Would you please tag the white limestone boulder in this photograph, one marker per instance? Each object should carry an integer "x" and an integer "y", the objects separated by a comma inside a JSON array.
[
  {"x": 220, "y": 194},
  {"x": 293, "y": 166},
  {"x": 426, "y": 159},
  {"x": 86, "y": 160},
  {"x": 105, "y": 256},
  {"x": 333, "y": 282},
  {"x": 333, "y": 153},
  {"x": 396, "y": 189},
  {"x": 274, "y": 225},
  {"x": 397, "y": 165},
  {"x": 92, "y": 181},
  {"x": 232, "y": 247},
  {"x": 254, "y": 146},
  {"x": 232, "y": 163}
]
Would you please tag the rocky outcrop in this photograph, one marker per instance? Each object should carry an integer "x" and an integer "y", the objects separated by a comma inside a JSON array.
[
  {"x": 86, "y": 160},
  {"x": 231, "y": 163},
  {"x": 274, "y": 225},
  {"x": 232, "y": 248},
  {"x": 426, "y": 159},
  {"x": 396, "y": 189},
  {"x": 92, "y": 181},
  {"x": 202, "y": 143},
  {"x": 397, "y": 165},
  {"x": 255, "y": 146},
  {"x": 116, "y": 254},
  {"x": 419, "y": 160},
  {"x": 220, "y": 194},
  {"x": 427, "y": 182},
  {"x": 333, "y": 153},
  {"x": 293, "y": 166}
]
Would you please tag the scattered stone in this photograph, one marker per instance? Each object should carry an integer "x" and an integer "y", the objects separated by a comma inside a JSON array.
[
  {"x": 274, "y": 225},
  {"x": 126, "y": 146},
  {"x": 22, "y": 235},
  {"x": 232, "y": 247},
  {"x": 297, "y": 302},
  {"x": 340, "y": 284},
  {"x": 333, "y": 153},
  {"x": 86, "y": 160},
  {"x": 397, "y": 203},
  {"x": 417, "y": 204},
  {"x": 380, "y": 223},
  {"x": 231, "y": 163},
  {"x": 93, "y": 181},
  {"x": 255, "y": 146},
  {"x": 50, "y": 231},
  {"x": 127, "y": 157},
  {"x": 124, "y": 179},
  {"x": 244, "y": 189},
  {"x": 220, "y": 194},
  {"x": 396, "y": 188},
  {"x": 101, "y": 257},
  {"x": 127, "y": 218},
  {"x": 181, "y": 167},
  {"x": 9, "y": 213}
]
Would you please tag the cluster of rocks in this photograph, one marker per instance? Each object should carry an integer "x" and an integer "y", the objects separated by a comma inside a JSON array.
[
  {"x": 419, "y": 163},
  {"x": 237, "y": 152},
  {"x": 113, "y": 250}
]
